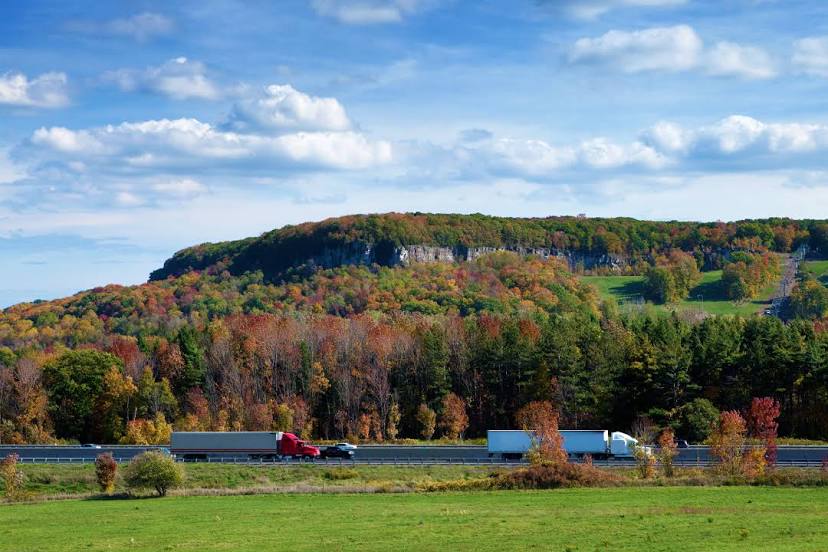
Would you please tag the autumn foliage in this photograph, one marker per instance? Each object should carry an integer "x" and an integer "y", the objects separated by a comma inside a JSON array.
[
  {"x": 727, "y": 442},
  {"x": 106, "y": 468},
  {"x": 763, "y": 425},
  {"x": 541, "y": 419}
]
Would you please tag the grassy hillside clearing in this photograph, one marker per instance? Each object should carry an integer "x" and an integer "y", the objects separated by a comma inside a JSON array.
[
  {"x": 720, "y": 518},
  {"x": 817, "y": 269},
  {"x": 707, "y": 296}
]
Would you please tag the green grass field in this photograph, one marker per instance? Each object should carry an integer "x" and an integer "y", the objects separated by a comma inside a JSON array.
[
  {"x": 667, "y": 518},
  {"x": 707, "y": 296},
  {"x": 817, "y": 269}
]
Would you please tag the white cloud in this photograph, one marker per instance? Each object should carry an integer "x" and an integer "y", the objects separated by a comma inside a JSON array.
[
  {"x": 141, "y": 27},
  {"x": 174, "y": 143},
  {"x": 67, "y": 141},
  {"x": 282, "y": 107},
  {"x": 811, "y": 55},
  {"x": 657, "y": 49},
  {"x": 367, "y": 12},
  {"x": 671, "y": 49},
  {"x": 46, "y": 90},
  {"x": 667, "y": 137},
  {"x": 738, "y": 137},
  {"x": 178, "y": 78},
  {"x": 730, "y": 59}
]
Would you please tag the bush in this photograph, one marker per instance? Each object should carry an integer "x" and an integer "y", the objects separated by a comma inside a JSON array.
[
  {"x": 555, "y": 476},
  {"x": 13, "y": 478},
  {"x": 153, "y": 470},
  {"x": 105, "y": 470},
  {"x": 341, "y": 474}
]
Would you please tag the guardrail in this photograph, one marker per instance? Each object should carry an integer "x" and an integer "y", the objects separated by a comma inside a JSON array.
[{"x": 495, "y": 462}]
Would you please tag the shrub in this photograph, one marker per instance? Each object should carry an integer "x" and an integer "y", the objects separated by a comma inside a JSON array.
[
  {"x": 541, "y": 419},
  {"x": 340, "y": 474},
  {"x": 667, "y": 451},
  {"x": 13, "y": 478},
  {"x": 153, "y": 470},
  {"x": 727, "y": 442},
  {"x": 754, "y": 462},
  {"x": 105, "y": 470},
  {"x": 555, "y": 476},
  {"x": 645, "y": 462}
]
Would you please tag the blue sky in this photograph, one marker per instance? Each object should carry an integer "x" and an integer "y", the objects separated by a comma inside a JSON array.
[{"x": 129, "y": 130}]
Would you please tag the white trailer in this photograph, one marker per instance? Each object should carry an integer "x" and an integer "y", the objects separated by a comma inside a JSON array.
[{"x": 513, "y": 444}]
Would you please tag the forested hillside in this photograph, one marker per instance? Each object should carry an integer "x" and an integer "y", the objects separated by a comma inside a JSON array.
[
  {"x": 387, "y": 239},
  {"x": 409, "y": 350}
]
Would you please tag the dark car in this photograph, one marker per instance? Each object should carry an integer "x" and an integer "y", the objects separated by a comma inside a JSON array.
[
  {"x": 681, "y": 443},
  {"x": 336, "y": 451}
]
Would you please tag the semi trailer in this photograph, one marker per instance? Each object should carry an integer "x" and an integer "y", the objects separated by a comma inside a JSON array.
[
  {"x": 254, "y": 445},
  {"x": 598, "y": 443}
]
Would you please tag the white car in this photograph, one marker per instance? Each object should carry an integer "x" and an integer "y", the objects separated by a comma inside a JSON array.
[{"x": 346, "y": 446}]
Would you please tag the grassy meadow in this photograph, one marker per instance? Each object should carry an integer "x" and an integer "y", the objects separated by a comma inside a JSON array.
[
  {"x": 817, "y": 269},
  {"x": 707, "y": 296},
  {"x": 661, "y": 518}
]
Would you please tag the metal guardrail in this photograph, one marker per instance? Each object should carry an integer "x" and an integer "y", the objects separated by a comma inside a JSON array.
[{"x": 471, "y": 462}]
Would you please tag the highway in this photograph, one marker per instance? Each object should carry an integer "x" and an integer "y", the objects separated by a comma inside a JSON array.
[{"x": 394, "y": 454}]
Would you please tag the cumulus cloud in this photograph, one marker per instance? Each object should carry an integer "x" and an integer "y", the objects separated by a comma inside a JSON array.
[
  {"x": 368, "y": 12},
  {"x": 46, "y": 90},
  {"x": 671, "y": 49},
  {"x": 283, "y": 108},
  {"x": 811, "y": 55},
  {"x": 178, "y": 78},
  {"x": 657, "y": 49},
  {"x": 533, "y": 158},
  {"x": 737, "y": 138},
  {"x": 174, "y": 143},
  {"x": 730, "y": 59},
  {"x": 141, "y": 27}
]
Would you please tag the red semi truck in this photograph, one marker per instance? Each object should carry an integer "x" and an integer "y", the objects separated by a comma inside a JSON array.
[{"x": 254, "y": 445}]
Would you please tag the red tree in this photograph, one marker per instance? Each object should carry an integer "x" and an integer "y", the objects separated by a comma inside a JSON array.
[{"x": 762, "y": 424}]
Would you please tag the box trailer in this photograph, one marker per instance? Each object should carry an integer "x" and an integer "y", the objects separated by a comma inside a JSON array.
[
  {"x": 513, "y": 444},
  {"x": 200, "y": 445}
]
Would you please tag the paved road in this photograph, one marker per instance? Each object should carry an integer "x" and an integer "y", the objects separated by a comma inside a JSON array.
[{"x": 390, "y": 454}]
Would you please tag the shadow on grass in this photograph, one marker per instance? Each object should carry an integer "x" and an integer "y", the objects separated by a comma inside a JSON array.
[
  {"x": 122, "y": 496},
  {"x": 628, "y": 290},
  {"x": 708, "y": 291}
]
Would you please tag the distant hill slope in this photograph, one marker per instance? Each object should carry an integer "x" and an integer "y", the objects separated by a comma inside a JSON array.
[{"x": 397, "y": 239}]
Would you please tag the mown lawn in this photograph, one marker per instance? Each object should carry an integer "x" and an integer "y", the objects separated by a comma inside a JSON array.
[
  {"x": 707, "y": 296},
  {"x": 666, "y": 518}
]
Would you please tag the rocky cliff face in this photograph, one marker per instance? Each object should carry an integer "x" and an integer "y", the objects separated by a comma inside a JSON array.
[{"x": 360, "y": 253}]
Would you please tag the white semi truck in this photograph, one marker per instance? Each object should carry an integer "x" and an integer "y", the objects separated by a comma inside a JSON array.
[{"x": 598, "y": 443}]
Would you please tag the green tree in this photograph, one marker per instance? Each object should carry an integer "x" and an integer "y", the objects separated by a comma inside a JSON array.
[
  {"x": 809, "y": 299},
  {"x": 154, "y": 470},
  {"x": 75, "y": 383},
  {"x": 696, "y": 420},
  {"x": 194, "y": 366}
]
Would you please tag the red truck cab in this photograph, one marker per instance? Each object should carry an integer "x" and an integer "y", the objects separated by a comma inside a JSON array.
[{"x": 291, "y": 445}]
